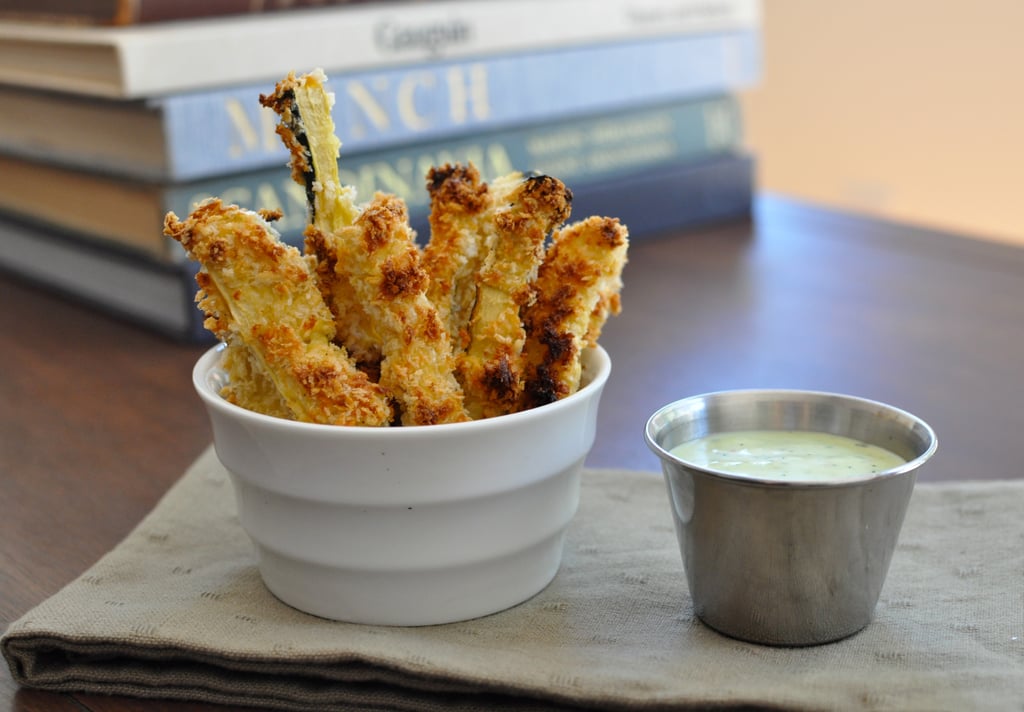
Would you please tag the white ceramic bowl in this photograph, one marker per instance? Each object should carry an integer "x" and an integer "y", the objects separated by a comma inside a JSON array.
[{"x": 406, "y": 525}]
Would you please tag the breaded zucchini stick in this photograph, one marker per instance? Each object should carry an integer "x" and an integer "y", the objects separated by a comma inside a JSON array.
[
  {"x": 261, "y": 292},
  {"x": 380, "y": 258},
  {"x": 307, "y": 130},
  {"x": 452, "y": 257},
  {"x": 369, "y": 258},
  {"x": 248, "y": 384},
  {"x": 521, "y": 213},
  {"x": 577, "y": 287}
]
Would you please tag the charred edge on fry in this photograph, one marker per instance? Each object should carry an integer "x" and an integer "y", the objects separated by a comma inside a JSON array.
[
  {"x": 458, "y": 185},
  {"x": 547, "y": 189},
  {"x": 308, "y": 175},
  {"x": 292, "y": 130},
  {"x": 543, "y": 387},
  {"x": 499, "y": 379}
]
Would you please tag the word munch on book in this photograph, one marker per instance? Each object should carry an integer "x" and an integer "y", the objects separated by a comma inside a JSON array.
[
  {"x": 581, "y": 150},
  {"x": 379, "y": 108}
]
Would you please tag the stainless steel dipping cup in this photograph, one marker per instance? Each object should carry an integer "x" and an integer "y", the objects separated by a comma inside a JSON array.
[{"x": 787, "y": 563}]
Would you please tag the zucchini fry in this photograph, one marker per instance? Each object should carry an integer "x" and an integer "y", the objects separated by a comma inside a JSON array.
[
  {"x": 521, "y": 213},
  {"x": 368, "y": 261},
  {"x": 260, "y": 292},
  {"x": 577, "y": 287},
  {"x": 380, "y": 257},
  {"x": 307, "y": 130},
  {"x": 248, "y": 384},
  {"x": 452, "y": 257}
]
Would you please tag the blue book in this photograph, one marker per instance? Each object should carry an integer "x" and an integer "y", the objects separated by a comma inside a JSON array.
[
  {"x": 577, "y": 150},
  {"x": 668, "y": 199},
  {"x": 652, "y": 202},
  {"x": 189, "y": 136}
]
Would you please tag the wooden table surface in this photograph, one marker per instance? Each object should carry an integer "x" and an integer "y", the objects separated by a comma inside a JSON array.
[{"x": 98, "y": 418}]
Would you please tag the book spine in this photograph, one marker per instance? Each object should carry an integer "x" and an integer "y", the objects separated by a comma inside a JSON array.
[
  {"x": 120, "y": 282},
  {"x": 651, "y": 202},
  {"x": 577, "y": 151},
  {"x": 672, "y": 198},
  {"x": 401, "y": 34},
  {"x": 227, "y": 131},
  {"x": 137, "y": 12}
]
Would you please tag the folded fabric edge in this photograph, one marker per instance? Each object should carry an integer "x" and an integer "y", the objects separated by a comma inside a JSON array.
[{"x": 59, "y": 665}]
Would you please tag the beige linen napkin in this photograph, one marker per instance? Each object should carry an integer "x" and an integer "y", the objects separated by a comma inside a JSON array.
[{"x": 177, "y": 610}]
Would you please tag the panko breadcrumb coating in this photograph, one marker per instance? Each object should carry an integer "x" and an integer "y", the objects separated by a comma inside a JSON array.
[
  {"x": 521, "y": 213},
  {"x": 248, "y": 384},
  {"x": 577, "y": 288},
  {"x": 366, "y": 328},
  {"x": 459, "y": 199},
  {"x": 307, "y": 130},
  {"x": 367, "y": 264},
  {"x": 261, "y": 292},
  {"x": 380, "y": 258}
]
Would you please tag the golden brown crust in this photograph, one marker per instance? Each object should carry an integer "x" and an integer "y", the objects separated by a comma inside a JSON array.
[
  {"x": 282, "y": 102},
  {"x": 451, "y": 258},
  {"x": 368, "y": 266},
  {"x": 577, "y": 288},
  {"x": 451, "y": 332},
  {"x": 382, "y": 263},
  {"x": 609, "y": 301},
  {"x": 520, "y": 214},
  {"x": 261, "y": 292},
  {"x": 354, "y": 327},
  {"x": 307, "y": 129},
  {"x": 248, "y": 385}
]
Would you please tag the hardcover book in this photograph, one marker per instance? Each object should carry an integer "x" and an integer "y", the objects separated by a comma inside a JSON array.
[
  {"x": 137, "y": 12},
  {"x": 201, "y": 134},
  {"x": 164, "y": 58},
  {"x": 154, "y": 294},
  {"x": 578, "y": 151},
  {"x": 160, "y": 295}
]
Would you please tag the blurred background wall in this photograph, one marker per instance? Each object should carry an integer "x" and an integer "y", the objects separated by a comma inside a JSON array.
[{"x": 906, "y": 109}]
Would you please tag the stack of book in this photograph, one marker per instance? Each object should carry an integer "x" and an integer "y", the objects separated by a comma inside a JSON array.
[{"x": 112, "y": 120}]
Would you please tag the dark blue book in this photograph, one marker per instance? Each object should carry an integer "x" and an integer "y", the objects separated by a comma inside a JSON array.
[
  {"x": 122, "y": 282},
  {"x": 159, "y": 295},
  {"x": 676, "y": 197}
]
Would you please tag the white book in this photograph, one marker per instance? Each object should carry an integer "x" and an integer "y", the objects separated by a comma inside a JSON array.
[{"x": 163, "y": 58}]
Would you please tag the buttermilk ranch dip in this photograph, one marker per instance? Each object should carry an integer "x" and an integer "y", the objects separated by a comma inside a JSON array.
[{"x": 787, "y": 455}]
